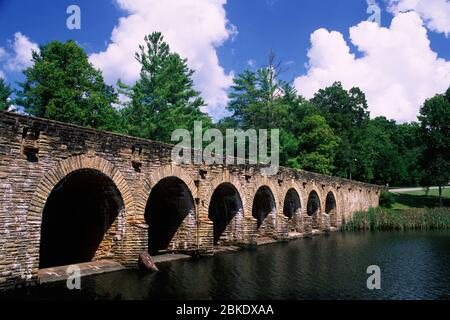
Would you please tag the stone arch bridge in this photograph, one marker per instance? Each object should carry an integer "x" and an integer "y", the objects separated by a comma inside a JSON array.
[{"x": 69, "y": 194}]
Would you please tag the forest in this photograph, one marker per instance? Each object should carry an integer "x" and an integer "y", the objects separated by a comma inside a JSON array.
[{"x": 332, "y": 133}]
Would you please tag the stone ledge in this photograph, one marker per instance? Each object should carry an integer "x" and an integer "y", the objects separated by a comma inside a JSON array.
[{"x": 86, "y": 269}]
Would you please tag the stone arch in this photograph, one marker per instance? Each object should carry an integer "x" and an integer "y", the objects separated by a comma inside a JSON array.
[
  {"x": 225, "y": 178},
  {"x": 170, "y": 188},
  {"x": 234, "y": 230},
  {"x": 292, "y": 210},
  {"x": 52, "y": 178},
  {"x": 331, "y": 208},
  {"x": 292, "y": 203},
  {"x": 313, "y": 208},
  {"x": 269, "y": 227},
  {"x": 257, "y": 184},
  {"x": 156, "y": 175},
  {"x": 226, "y": 212},
  {"x": 291, "y": 187},
  {"x": 264, "y": 205}
]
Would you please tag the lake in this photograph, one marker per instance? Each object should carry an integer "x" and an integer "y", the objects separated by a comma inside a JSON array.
[{"x": 413, "y": 264}]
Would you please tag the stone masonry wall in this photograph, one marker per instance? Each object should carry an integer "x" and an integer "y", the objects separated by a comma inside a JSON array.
[{"x": 35, "y": 154}]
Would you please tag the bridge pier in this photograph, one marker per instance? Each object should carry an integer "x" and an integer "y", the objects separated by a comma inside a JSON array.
[
  {"x": 205, "y": 235},
  {"x": 307, "y": 226},
  {"x": 325, "y": 222}
]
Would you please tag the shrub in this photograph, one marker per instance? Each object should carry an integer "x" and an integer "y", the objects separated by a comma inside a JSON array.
[{"x": 387, "y": 199}]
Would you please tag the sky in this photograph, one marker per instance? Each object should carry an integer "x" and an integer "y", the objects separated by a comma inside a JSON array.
[{"x": 399, "y": 58}]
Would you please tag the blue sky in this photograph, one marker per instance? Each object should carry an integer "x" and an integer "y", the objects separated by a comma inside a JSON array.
[{"x": 239, "y": 34}]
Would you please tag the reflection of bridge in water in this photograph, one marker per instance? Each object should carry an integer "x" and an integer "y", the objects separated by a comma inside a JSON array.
[{"x": 71, "y": 194}]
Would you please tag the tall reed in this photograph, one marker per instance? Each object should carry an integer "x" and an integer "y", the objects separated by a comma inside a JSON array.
[{"x": 389, "y": 219}]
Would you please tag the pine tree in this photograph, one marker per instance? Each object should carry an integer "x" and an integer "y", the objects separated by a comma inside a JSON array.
[
  {"x": 62, "y": 85},
  {"x": 163, "y": 99}
]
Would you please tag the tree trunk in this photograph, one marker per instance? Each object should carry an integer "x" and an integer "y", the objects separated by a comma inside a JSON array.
[
  {"x": 350, "y": 171},
  {"x": 441, "y": 204}
]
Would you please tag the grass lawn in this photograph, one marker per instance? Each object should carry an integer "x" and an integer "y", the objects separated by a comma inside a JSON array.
[{"x": 418, "y": 199}]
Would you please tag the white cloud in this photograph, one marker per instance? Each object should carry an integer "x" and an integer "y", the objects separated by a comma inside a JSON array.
[
  {"x": 2, "y": 57},
  {"x": 20, "y": 58},
  {"x": 251, "y": 63},
  {"x": 398, "y": 69},
  {"x": 193, "y": 28},
  {"x": 2, "y": 53},
  {"x": 435, "y": 13}
]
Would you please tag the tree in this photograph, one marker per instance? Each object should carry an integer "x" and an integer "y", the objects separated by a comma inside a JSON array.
[
  {"x": 435, "y": 135},
  {"x": 317, "y": 145},
  {"x": 405, "y": 138},
  {"x": 62, "y": 85},
  {"x": 5, "y": 93},
  {"x": 261, "y": 100},
  {"x": 344, "y": 110},
  {"x": 379, "y": 153},
  {"x": 163, "y": 99},
  {"x": 346, "y": 113}
]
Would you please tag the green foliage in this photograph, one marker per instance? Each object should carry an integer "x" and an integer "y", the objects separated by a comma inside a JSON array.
[
  {"x": 390, "y": 152},
  {"x": 317, "y": 144},
  {"x": 373, "y": 150},
  {"x": 434, "y": 133},
  {"x": 62, "y": 85},
  {"x": 344, "y": 110},
  {"x": 409, "y": 219},
  {"x": 163, "y": 99},
  {"x": 5, "y": 93},
  {"x": 405, "y": 139},
  {"x": 387, "y": 199},
  {"x": 261, "y": 100},
  {"x": 346, "y": 113}
]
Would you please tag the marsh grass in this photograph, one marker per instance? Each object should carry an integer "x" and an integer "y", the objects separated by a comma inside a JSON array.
[{"x": 406, "y": 219}]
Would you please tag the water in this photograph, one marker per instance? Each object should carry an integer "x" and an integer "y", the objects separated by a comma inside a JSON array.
[{"x": 414, "y": 265}]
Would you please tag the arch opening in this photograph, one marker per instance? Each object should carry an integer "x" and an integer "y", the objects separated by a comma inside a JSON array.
[
  {"x": 225, "y": 204},
  {"x": 169, "y": 203},
  {"x": 330, "y": 208},
  {"x": 77, "y": 215},
  {"x": 291, "y": 203},
  {"x": 263, "y": 204},
  {"x": 313, "y": 209}
]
